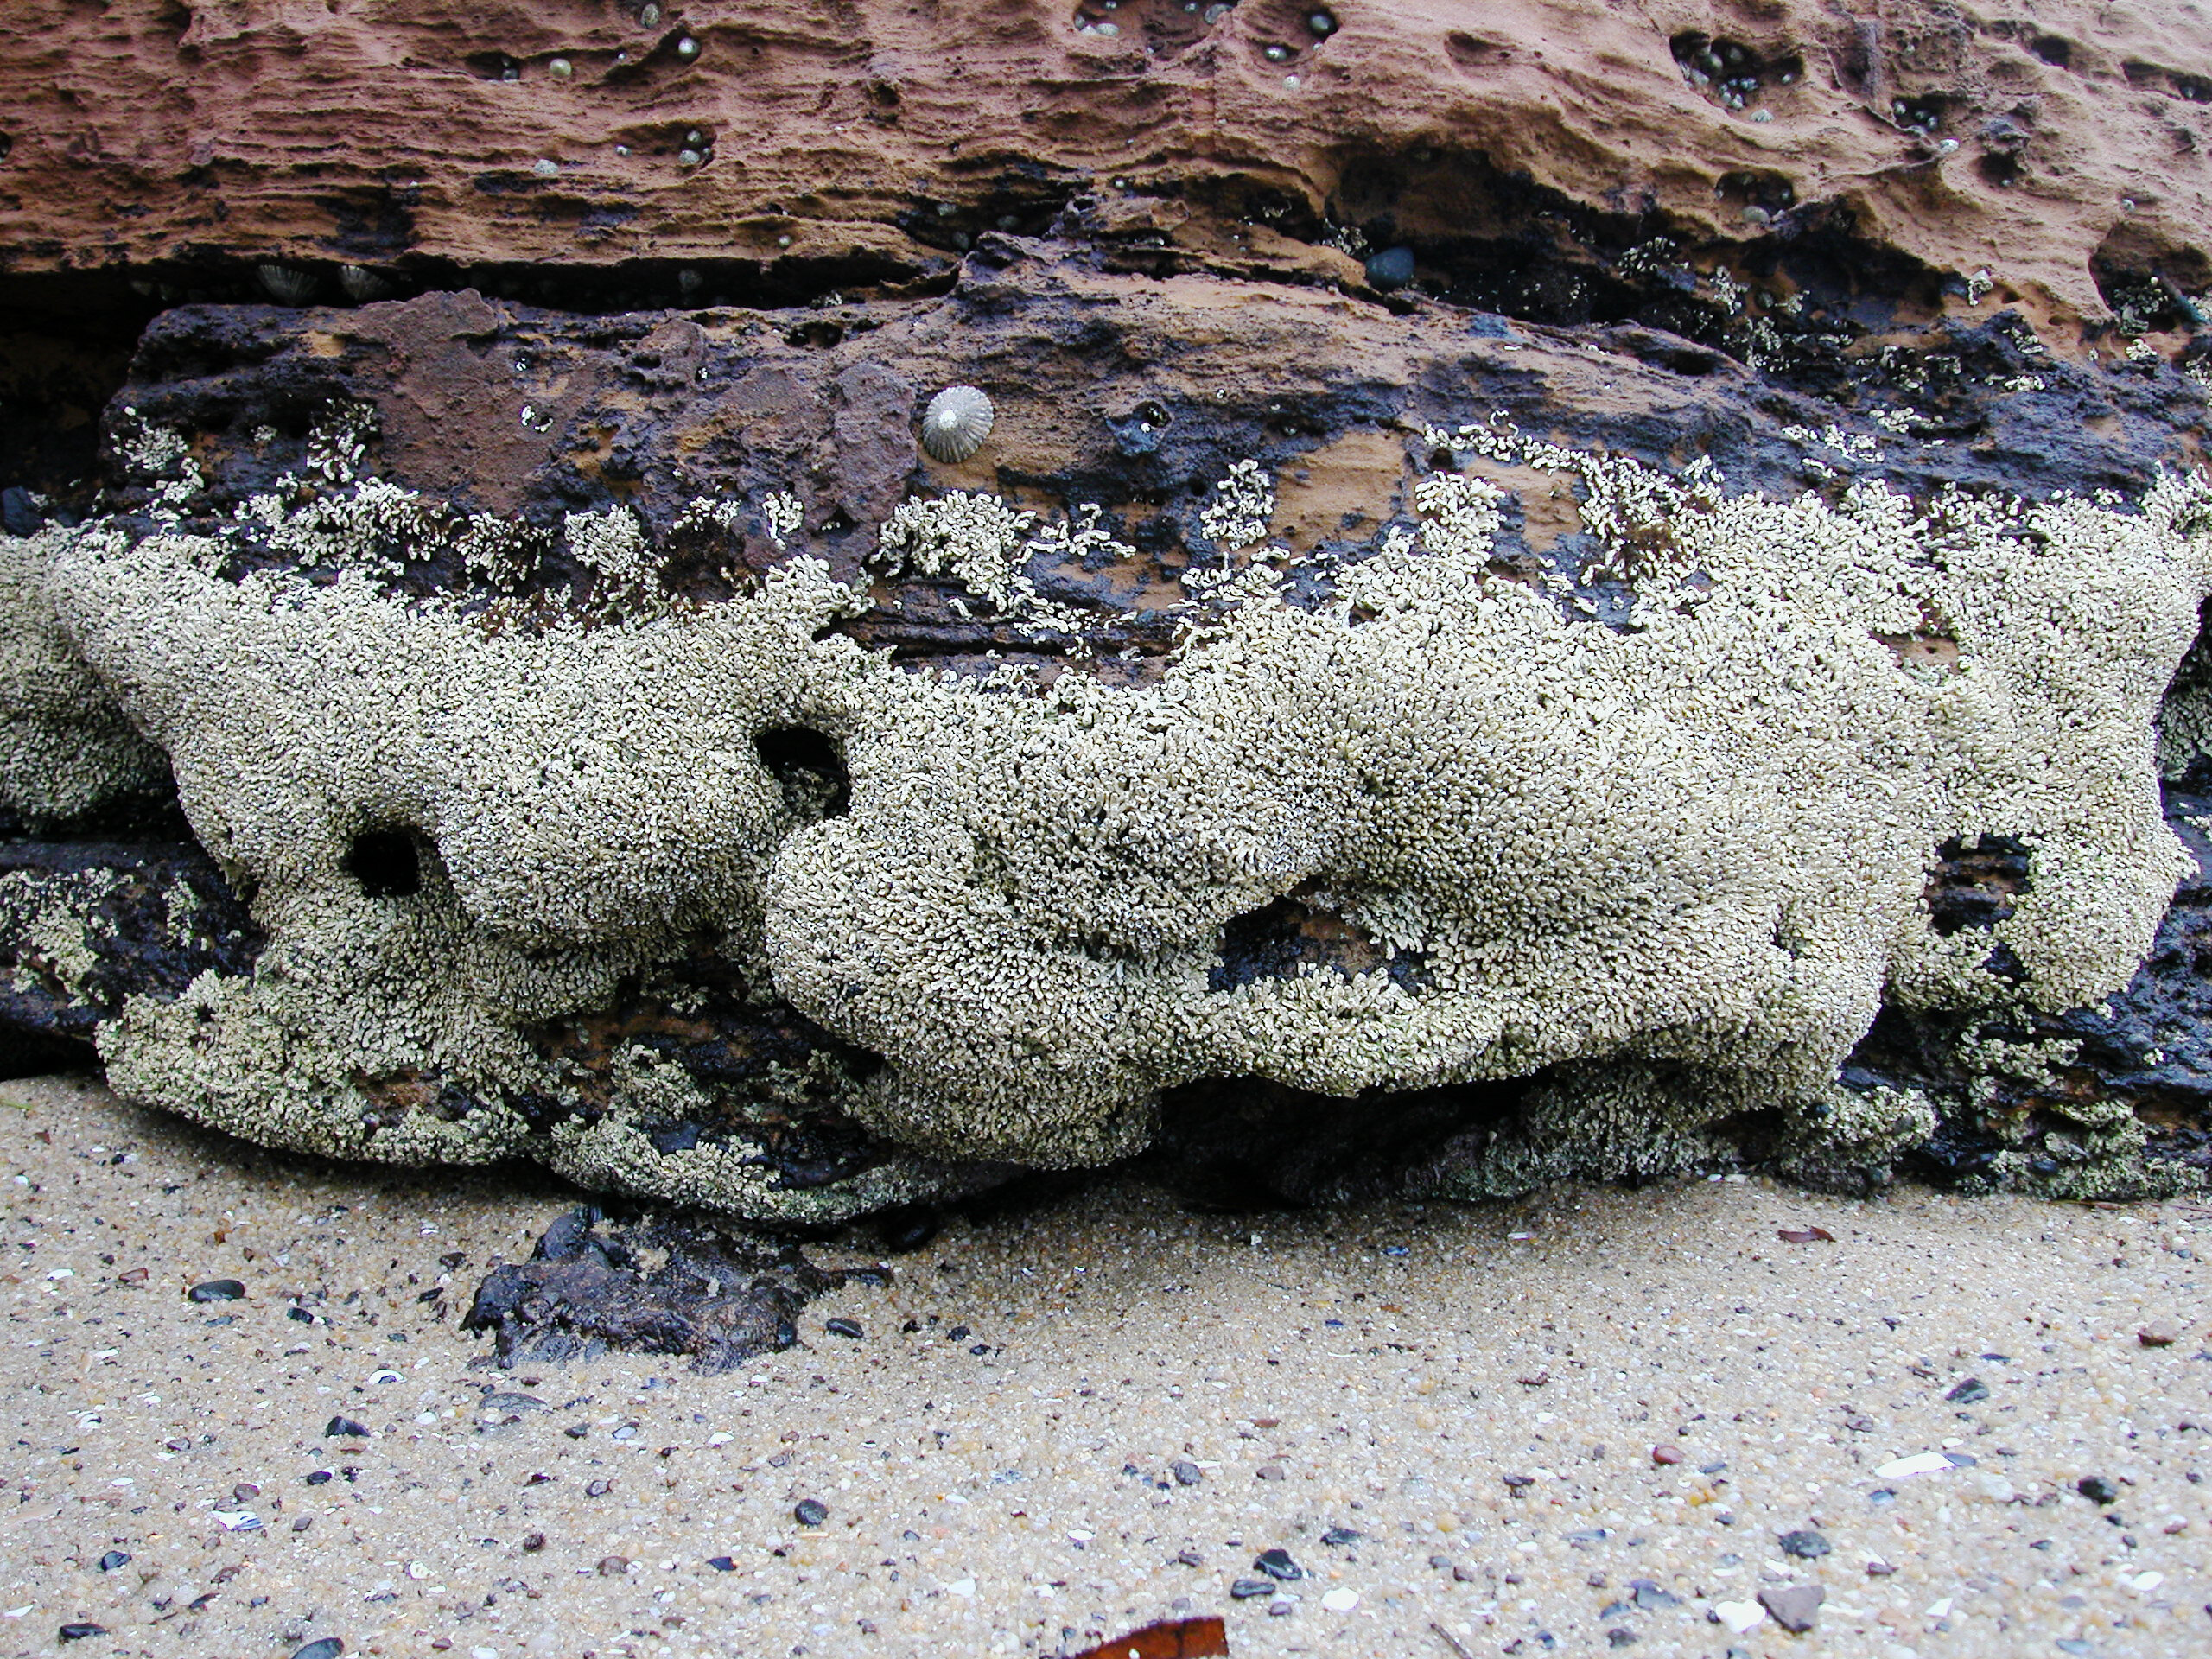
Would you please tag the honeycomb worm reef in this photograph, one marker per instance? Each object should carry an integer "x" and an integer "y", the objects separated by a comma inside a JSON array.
[{"x": 1632, "y": 605}]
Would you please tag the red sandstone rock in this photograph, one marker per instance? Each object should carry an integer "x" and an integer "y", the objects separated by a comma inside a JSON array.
[{"x": 871, "y": 142}]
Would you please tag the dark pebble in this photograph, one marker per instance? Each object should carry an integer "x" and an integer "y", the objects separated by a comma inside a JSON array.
[
  {"x": 909, "y": 1228},
  {"x": 1245, "y": 1589},
  {"x": 1337, "y": 1537},
  {"x": 217, "y": 1290},
  {"x": 1519, "y": 1483},
  {"x": 599, "y": 1489},
  {"x": 114, "y": 1559},
  {"x": 721, "y": 1563},
  {"x": 342, "y": 1425},
  {"x": 503, "y": 1401},
  {"x": 1463, "y": 1574},
  {"x": 1617, "y": 1609},
  {"x": 1793, "y": 1606},
  {"x": 1649, "y": 1595},
  {"x": 1190, "y": 1558},
  {"x": 243, "y": 1491},
  {"x": 19, "y": 514},
  {"x": 1805, "y": 1546},
  {"x": 1392, "y": 267},
  {"x": 848, "y": 1328},
  {"x": 318, "y": 1476},
  {"x": 1969, "y": 1392},
  {"x": 2097, "y": 1489},
  {"x": 1281, "y": 1609},
  {"x": 79, "y": 1632},
  {"x": 1277, "y": 1564},
  {"x": 1621, "y": 1637},
  {"x": 613, "y": 1566},
  {"x": 1186, "y": 1473},
  {"x": 958, "y": 1333},
  {"x": 533, "y": 1542},
  {"x": 328, "y": 1647},
  {"x": 302, "y": 1523},
  {"x": 300, "y": 1314},
  {"x": 810, "y": 1512}
]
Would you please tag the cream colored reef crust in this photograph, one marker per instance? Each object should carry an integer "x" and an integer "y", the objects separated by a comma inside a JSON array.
[
  {"x": 65, "y": 747},
  {"x": 1679, "y": 862}
]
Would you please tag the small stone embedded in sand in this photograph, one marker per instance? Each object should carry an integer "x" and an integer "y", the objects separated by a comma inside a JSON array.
[
  {"x": 1337, "y": 1537},
  {"x": 810, "y": 1512},
  {"x": 1805, "y": 1545},
  {"x": 2097, "y": 1489},
  {"x": 850, "y": 1329},
  {"x": 1268, "y": 1472},
  {"x": 599, "y": 1489},
  {"x": 328, "y": 1646},
  {"x": 113, "y": 1559},
  {"x": 337, "y": 1426},
  {"x": 216, "y": 1290},
  {"x": 1246, "y": 1589},
  {"x": 1970, "y": 1392},
  {"x": 1793, "y": 1606},
  {"x": 81, "y": 1632},
  {"x": 1277, "y": 1564},
  {"x": 2159, "y": 1333},
  {"x": 1665, "y": 1454},
  {"x": 1186, "y": 1473}
]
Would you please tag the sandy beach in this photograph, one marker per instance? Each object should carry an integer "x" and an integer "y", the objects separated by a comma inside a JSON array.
[{"x": 1590, "y": 1420}]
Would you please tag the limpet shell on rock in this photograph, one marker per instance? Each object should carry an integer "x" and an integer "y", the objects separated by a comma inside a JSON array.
[{"x": 956, "y": 423}]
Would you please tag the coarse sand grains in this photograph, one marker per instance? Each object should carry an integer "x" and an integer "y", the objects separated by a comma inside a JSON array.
[{"x": 1594, "y": 1418}]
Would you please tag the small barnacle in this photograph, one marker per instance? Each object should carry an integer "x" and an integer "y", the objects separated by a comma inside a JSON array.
[
  {"x": 1275, "y": 54},
  {"x": 649, "y": 16},
  {"x": 286, "y": 284},
  {"x": 956, "y": 423},
  {"x": 687, "y": 48},
  {"x": 1321, "y": 24},
  {"x": 560, "y": 68},
  {"x": 362, "y": 284},
  {"x": 688, "y": 158},
  {"x": 546, "y": 167}
]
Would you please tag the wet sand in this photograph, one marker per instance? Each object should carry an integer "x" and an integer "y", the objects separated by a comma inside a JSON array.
[{"x": 1494, "y": 1398}]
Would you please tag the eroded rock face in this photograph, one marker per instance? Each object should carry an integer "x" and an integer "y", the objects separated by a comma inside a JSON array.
[{"x": 1344, "y": 737}]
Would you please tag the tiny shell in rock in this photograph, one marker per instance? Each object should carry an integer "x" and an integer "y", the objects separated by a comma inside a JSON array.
[{"x": 956, "y": 423}]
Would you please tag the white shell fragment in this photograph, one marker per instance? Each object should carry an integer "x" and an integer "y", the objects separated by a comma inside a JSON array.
[
  {"x": 1921, "y": 1463},
  {"x": 286, "y": 284},
  {"x": 956, "y": 423}
]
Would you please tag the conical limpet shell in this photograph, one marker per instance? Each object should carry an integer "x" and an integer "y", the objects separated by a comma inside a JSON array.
[{"x": 956, "y": 423}]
